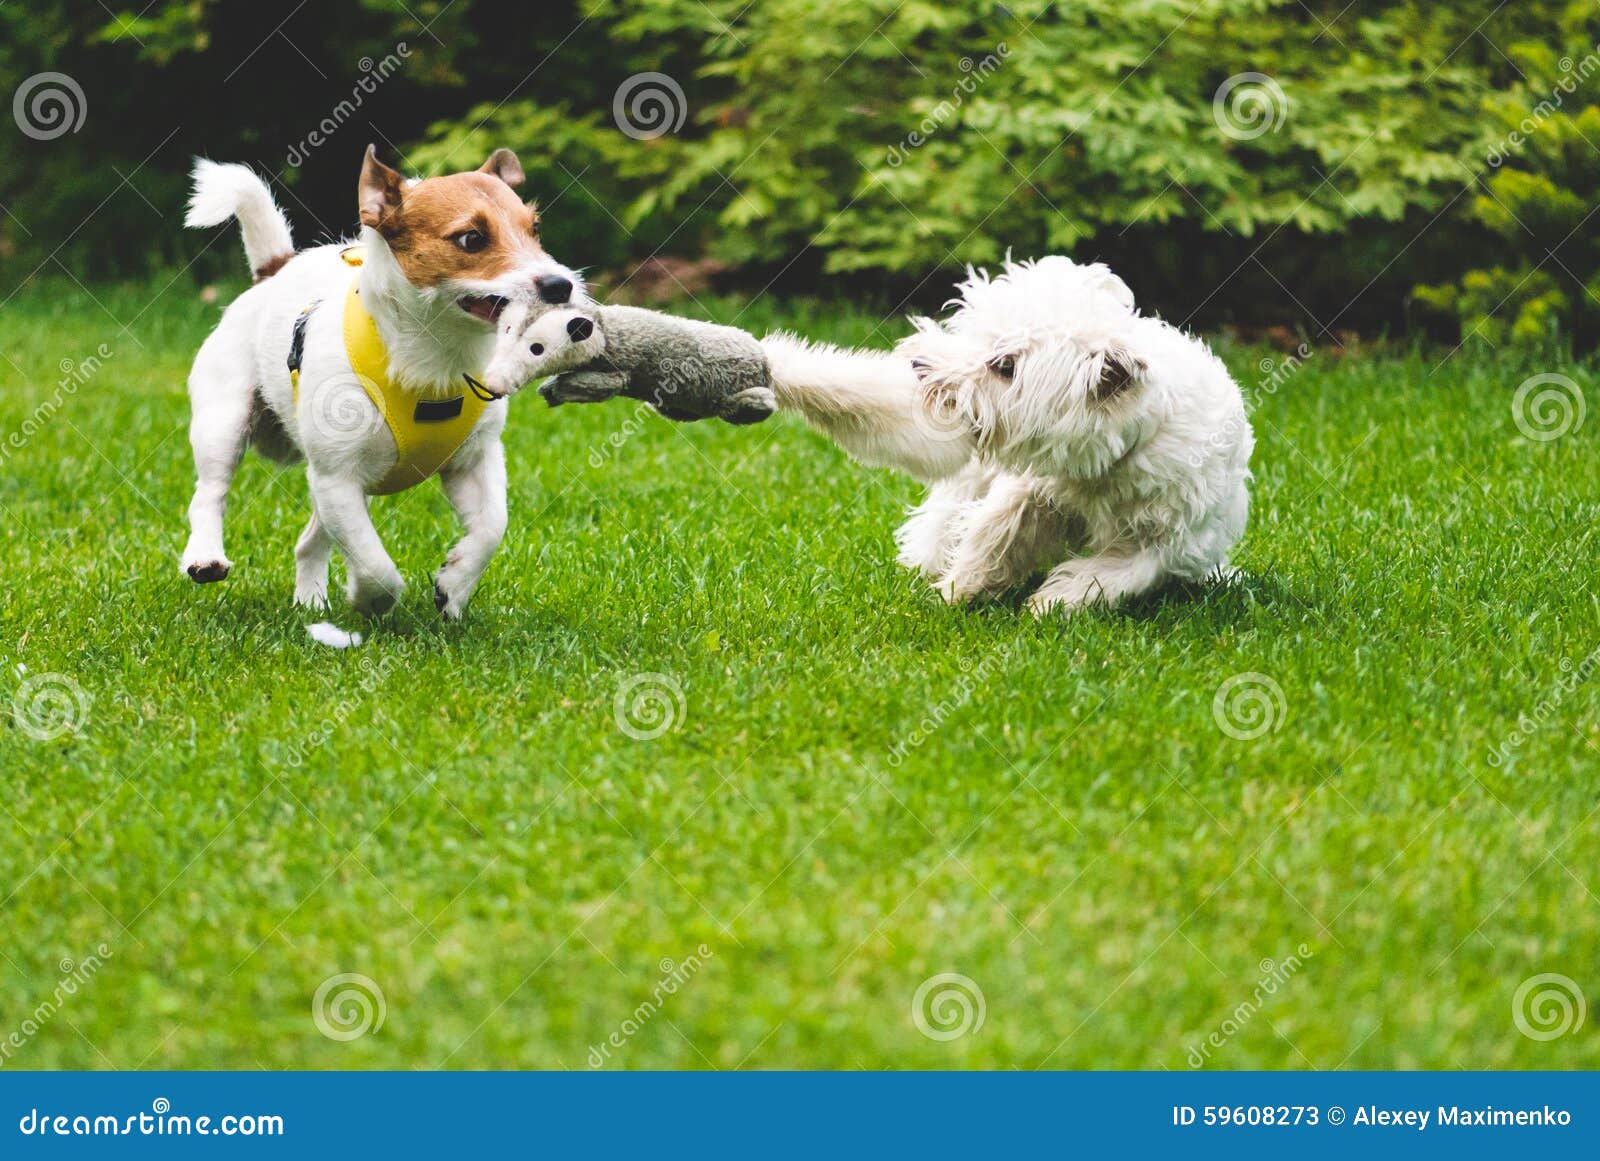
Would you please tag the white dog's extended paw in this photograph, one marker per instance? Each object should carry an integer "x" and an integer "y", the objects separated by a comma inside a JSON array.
[
  {"x": 374, "y": 596},
  {"x": 205, "y": 565},
  {"x": 1044, "y": 603}
]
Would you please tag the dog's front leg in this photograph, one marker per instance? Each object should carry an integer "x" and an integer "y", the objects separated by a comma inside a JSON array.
[
  {"x": 477, "y": 491},
  {"x": 341, "y": 506},
  {"x": 1000, "y": 538},
  {"x": 1106, "y": 579}
]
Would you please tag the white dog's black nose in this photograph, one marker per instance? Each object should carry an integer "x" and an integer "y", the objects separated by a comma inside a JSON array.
[
  {"x": 553, "y": 287},
  {"x": 579, "y": 329}
]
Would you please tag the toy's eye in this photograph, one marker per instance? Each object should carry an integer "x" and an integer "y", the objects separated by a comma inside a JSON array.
[
  {"x": 471, "y": 240},
  {"x": 1004, "y": 367},
  {"x": 537, "y": 348}
]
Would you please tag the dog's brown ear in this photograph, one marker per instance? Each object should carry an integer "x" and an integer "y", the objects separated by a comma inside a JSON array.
[
  {"x": 503, "y": 164},
  {"x": 1119, "y": 370},
  {"x": 378, "y": 194}
]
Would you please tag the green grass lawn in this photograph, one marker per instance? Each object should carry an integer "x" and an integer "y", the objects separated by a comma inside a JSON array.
[{"x": 859, "y": 790}]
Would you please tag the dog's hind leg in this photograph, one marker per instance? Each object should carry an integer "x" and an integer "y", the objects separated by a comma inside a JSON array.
[
  {"x": 1106, "y": 579},
  {"x": 374, "y": 584},
  {"x": 220, "y": 399},
  {"x": 477, "y": 491},
  {"x": 312, "y": 553}
]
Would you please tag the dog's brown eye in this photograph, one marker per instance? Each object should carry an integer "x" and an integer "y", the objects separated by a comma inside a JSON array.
[
  {"x": 471, "y": 240},
  {"x": 1005, "y": 368}
]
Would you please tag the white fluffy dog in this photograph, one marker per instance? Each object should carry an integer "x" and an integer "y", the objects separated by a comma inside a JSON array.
[{"x": 1061, "y": 429}]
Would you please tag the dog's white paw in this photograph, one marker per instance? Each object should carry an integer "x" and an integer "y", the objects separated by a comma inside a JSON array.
[
  {"x": 314, "y": 597},
  {"x": 375, "y": 596},
  {"x": 206, "y": 568}
]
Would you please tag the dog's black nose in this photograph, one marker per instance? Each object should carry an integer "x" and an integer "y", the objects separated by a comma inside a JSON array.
[
  {"x": 553, "y": 287},
  {"x": 579, "y": 329}
]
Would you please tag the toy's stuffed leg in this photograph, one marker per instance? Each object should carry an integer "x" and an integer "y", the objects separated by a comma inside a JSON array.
[{"x": 866, "y": 401}]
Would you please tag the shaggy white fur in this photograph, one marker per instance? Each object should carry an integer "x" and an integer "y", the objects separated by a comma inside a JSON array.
[{"x": 1060, "y": 428}]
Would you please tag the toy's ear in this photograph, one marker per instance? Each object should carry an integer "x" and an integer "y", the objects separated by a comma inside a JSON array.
[{"x": 378, "y": 192}]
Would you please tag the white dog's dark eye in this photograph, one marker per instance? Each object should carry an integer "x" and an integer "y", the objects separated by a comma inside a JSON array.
[
  {"x": 537, "y": 348},
  {"x": 471, "y": 240},
  {"x": 1004, "y": 367}
]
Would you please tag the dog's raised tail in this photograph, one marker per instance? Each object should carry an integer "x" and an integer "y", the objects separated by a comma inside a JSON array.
[{"x": 234, "y": 191}]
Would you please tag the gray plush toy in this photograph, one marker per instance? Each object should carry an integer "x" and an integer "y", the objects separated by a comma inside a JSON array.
[{"x": 685, "y": 370}]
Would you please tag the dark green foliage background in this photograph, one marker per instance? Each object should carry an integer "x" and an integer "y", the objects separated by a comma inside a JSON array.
[{"x": 1095, "y": 136}]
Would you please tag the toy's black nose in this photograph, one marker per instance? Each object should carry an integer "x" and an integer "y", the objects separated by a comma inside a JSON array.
[
  {"x": 553, "y": 287},
  {"x": 579, "y": 329}
]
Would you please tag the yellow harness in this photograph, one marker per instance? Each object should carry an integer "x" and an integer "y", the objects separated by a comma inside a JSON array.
[{"x": 427, "y": 432}]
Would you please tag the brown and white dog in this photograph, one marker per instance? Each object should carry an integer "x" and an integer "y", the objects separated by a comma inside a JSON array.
[{"x": 440, "y": 258}]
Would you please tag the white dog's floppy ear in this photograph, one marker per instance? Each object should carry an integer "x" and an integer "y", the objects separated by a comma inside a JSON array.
[
  {"x": 1114, "y": 372},
  {"x": 1108, "y": 282}
]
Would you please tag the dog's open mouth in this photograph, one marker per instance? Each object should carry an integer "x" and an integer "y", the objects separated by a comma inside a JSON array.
[{"x": 484, "y": 306}]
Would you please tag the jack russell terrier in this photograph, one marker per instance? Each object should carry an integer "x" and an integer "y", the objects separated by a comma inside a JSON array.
[{"x": 361, "y": 360}]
